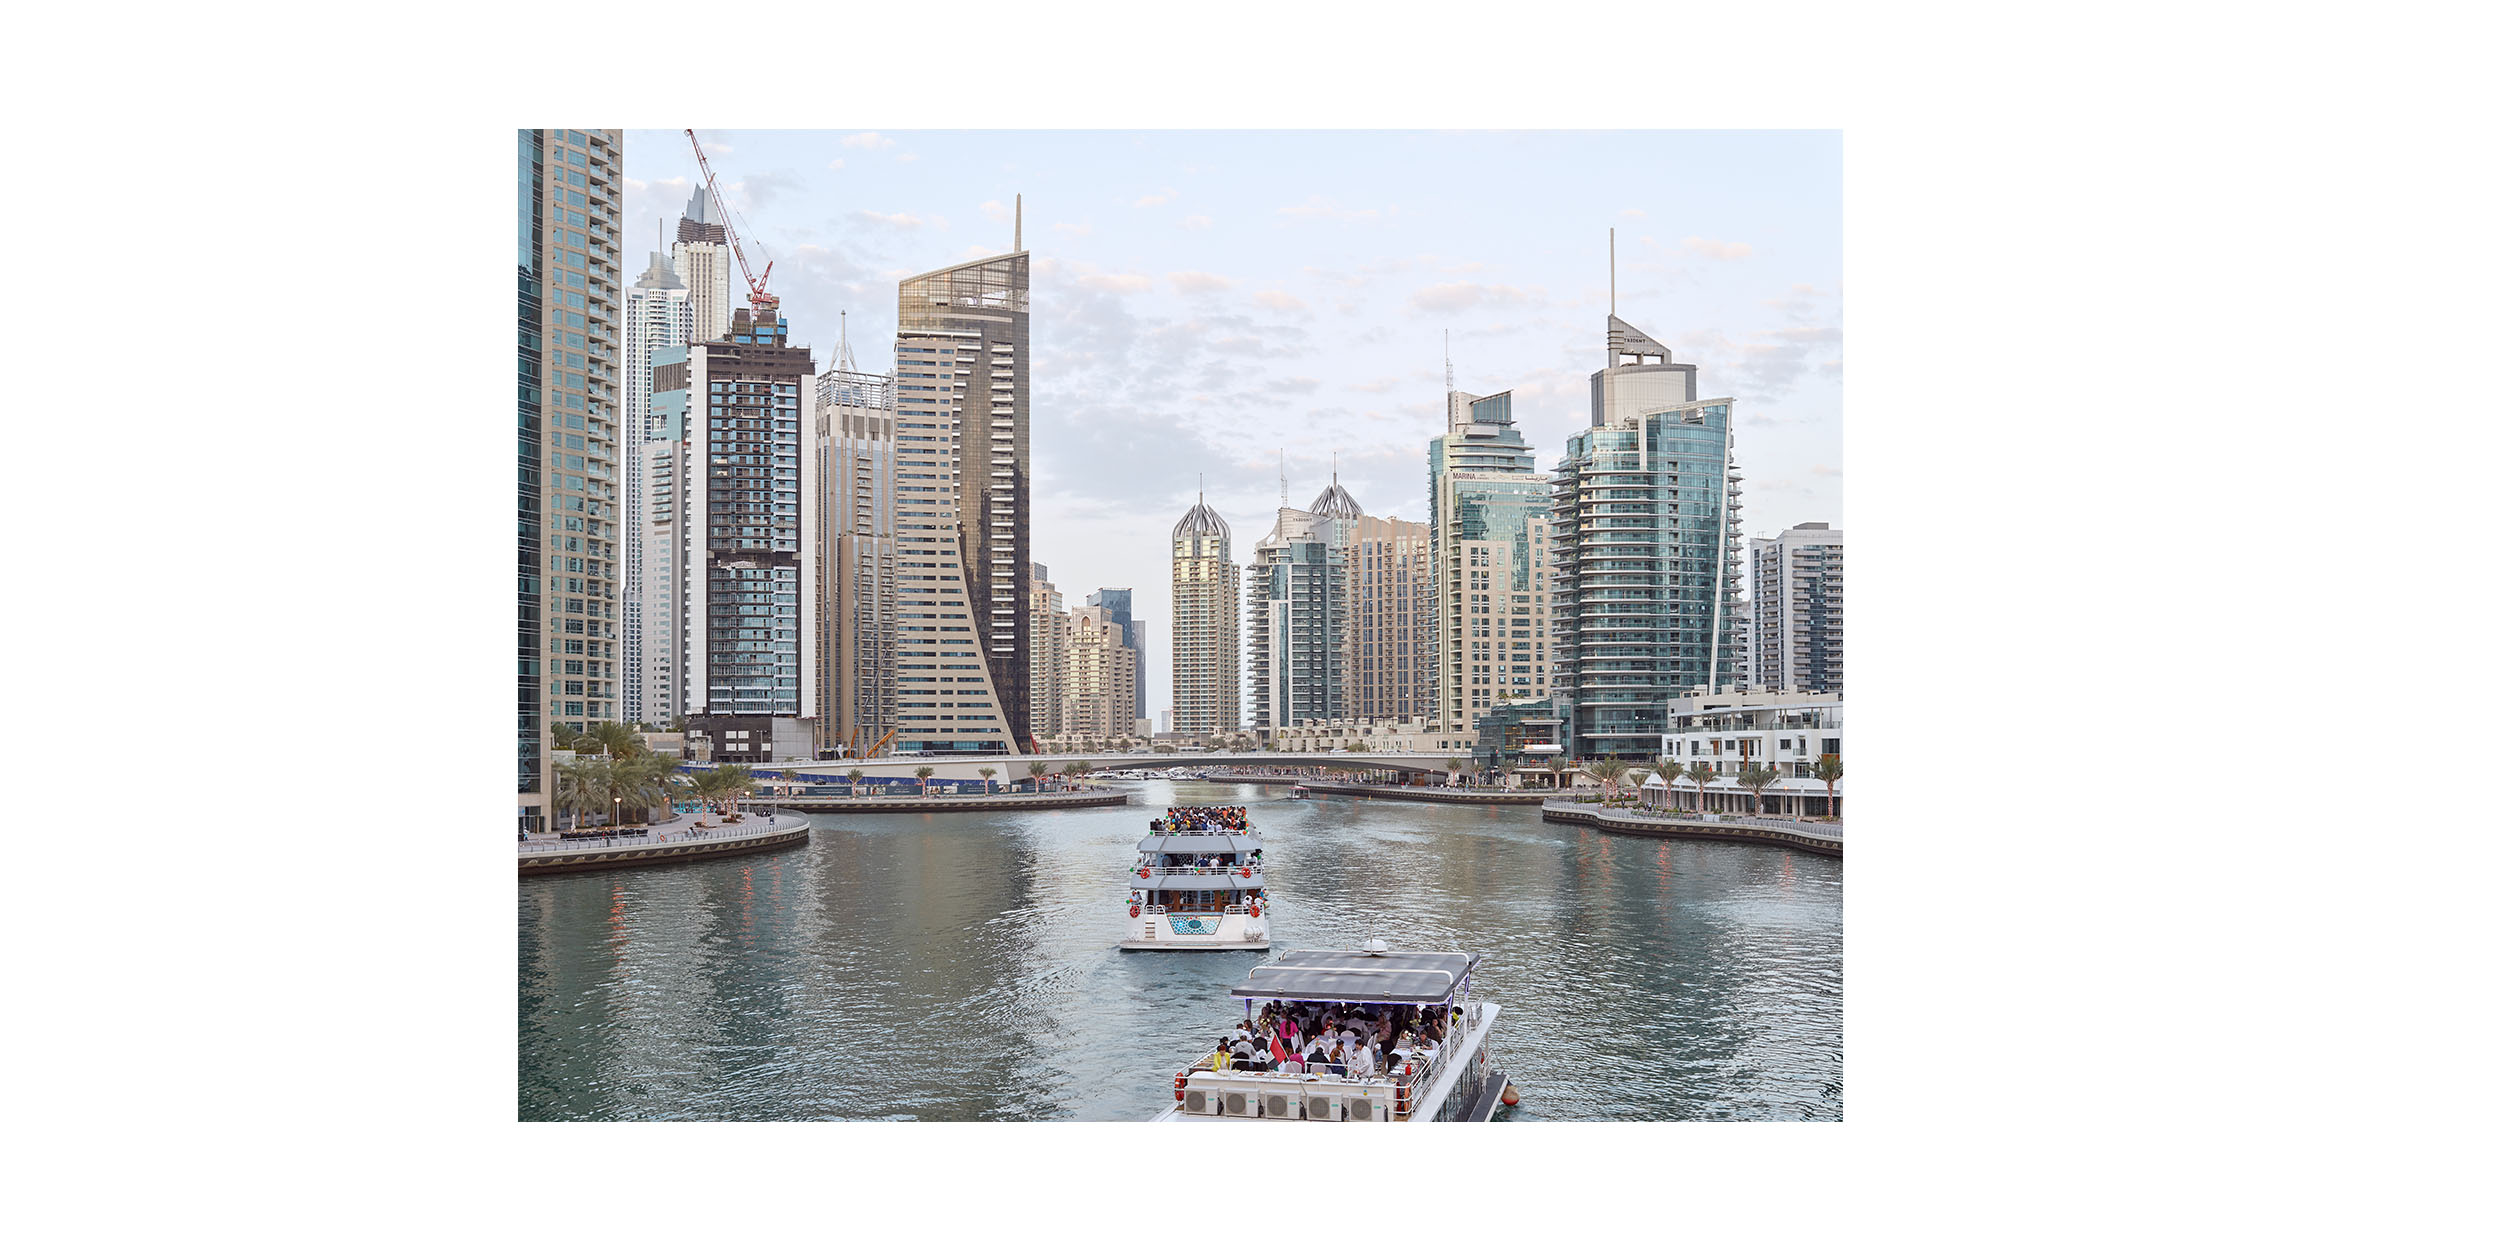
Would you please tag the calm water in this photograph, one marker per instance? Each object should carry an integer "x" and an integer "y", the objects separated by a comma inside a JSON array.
[{"x": 966, "y": 967}]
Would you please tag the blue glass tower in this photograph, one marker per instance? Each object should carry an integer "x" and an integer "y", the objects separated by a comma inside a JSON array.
[{"x": 1647, "y": 551}]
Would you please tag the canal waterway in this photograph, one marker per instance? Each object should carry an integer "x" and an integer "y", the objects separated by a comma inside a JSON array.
[{"x": 961, "y": 966}]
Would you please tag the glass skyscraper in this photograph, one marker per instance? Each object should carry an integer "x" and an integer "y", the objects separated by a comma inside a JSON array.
[
  {"x": 1647, "y": 549},
  {"x": 570, "y": 513}
]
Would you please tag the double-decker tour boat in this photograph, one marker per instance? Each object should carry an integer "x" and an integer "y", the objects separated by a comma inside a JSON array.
[
  {"x": 1351, "y": 1035},
  {"x": 1199, "y": 884}
]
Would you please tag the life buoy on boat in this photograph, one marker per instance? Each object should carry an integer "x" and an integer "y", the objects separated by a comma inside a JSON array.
[
  {"x": 1142, "y": 874},
  {"x": 1132, "y": 911},
  {"x": 1254, "y": 911},
  {"x": 1179, "y": 1080},
  {"x": 1510, "y": 1095},
  {"x": 1245, "y": 871}
]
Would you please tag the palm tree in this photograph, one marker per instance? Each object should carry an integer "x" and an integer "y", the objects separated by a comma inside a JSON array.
[
  {"x": 854, "y": 775},
  {"x": 1037, "y": 770},
  {"x": 1827, "y": 771},
  {"x": 646, "y": 781},
  {"x": 1702, "y": 774},
  {"x": 1607, "y": 773},
  {"x": 1668, "y": 770},
  {"x": 611, "y": 739},
  {"x": 1755, "y": 777},
  {"x": 924, "y": 772},
  {"x": 1082, "y": 769},
  {"x": 986, "y": 774},
  {"x": 560, "y": 736},
  {"x": 1451, "y": 767},
  {"x": 720, "y": 787},
  {"x": 580, "y": 784}
]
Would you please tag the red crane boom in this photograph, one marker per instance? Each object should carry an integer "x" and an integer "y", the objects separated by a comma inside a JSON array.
[{"x": 758, "y": 298}]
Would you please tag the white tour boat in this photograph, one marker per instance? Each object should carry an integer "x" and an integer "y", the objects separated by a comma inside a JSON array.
[
  {"x": 1199, "y": 884},
  {"x": 1374, "y": 993}
]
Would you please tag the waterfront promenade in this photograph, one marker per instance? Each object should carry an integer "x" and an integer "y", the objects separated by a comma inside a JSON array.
[
  {"x": 1430, "y": 794},
  {"x": 940, "y": 801},
  {"x": 677, "y": 840},
  {"x": 1812, "y": 837}
]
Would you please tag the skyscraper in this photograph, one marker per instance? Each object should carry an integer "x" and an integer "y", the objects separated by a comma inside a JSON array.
[
  {"x": 660, "y": 553},
  {"x": 1389, "y": 619},
  {"x": 1120, "y": 601},
  {"x": 1046, "y": 636},
  {"x": 1298, "y": 613},
  {"x": 702, "y": 260},
  {"x": 855, "y": 432},
  {"x": 656, "y": 318},
  {"x": 1647, "y": 551},
  {"x": 1796, "y": 618},
  {"x": 1206, "y": 625},
  {"x": 751, "y": 633},
  {"x": 569, "y": 515},
  {"x": 962, "y": 506},
  {"x": 1101, "y": 672},
  {"x": 1492, "y": 563}
]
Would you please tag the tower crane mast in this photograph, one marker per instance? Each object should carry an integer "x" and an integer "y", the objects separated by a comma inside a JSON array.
[{"x": 758, "y": 298}]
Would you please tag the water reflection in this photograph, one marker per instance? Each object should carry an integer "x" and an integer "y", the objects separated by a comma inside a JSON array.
[{"x": 966, "y": 967}]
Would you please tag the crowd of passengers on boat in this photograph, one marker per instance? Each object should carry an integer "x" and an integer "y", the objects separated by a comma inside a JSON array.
[
  {"x": 1202, "y": 820},
  {"x": 1399, "y": 1041}
]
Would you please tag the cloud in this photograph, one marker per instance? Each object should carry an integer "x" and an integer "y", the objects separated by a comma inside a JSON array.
[
  {"x": 1320, "y": 207},
  {"x": 1077, "y": 229},
  {"x": 899, "y": 221},
  {"x": 1196, "y": 221},
  {"x": 1280, "y": 301},
  {"x": 1716, "y": 249},
  {"x": 758, "y": 190},
  {"x": 1825, "y": 470},
  {"x": 906, "y": 158},
  {"x": 997, "y": 210},
  {"x": 1115, "y": 282},
  {"x": 1158, "y": 199},
  {"x": 1632, "y": 212},
  {"x": 1196, "y": 282},
  {"x": 837, "y": 163},
  {"x": 1450, "y": 297},
  {"x": 867, "y": 139},
  {"x": 1293, "y": 385}
]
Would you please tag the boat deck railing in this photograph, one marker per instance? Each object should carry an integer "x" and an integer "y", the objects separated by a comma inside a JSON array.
[
  {"x": 1410, "y": 1076},
  {"x": 1179, "y": 870}
]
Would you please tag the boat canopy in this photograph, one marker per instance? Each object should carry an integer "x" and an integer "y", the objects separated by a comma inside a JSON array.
[
  {"x": 1199, "y": 843},
  {"x": 1355, "y": 977}
]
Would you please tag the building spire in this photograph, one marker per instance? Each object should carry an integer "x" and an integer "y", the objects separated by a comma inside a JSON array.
[
  {"x": 1284, "y": 499},
  {"x": 1610, "y": 271},
  {"x": 1449, "y": 375},
  {"x": 1020, "y": 223},
  {"x": 842, "y": 361}
]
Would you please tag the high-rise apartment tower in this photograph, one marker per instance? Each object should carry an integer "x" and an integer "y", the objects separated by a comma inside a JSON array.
[
  {"x": 1647, "y": 551},
  {"x": 963, "y": 512},
  {"x": 1206, "y": 625},
  {"x": 571, "y": 184}
]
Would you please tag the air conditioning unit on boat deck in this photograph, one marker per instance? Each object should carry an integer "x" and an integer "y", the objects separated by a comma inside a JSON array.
[
  {"x": 1200, "y": 1096},
  {"x": 1241, "y": 1100},
  {"x": 1375, "y": 1103},
  {"x": 1280, "y": 1103},
  {"x": 1324, "y": 1102}
]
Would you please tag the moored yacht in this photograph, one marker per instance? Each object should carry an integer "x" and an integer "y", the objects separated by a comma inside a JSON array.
[
  {"x": 1199, "y": 884},
  {"x": 1406, "y": 1037}
]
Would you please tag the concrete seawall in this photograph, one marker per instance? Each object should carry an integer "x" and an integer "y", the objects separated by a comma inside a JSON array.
[
  {"x": 1430, "y": 794},
  {"x": 586, "y": 855},
  {"x": 1762, "y": 833},
  {"x": 975, "y": 803}
]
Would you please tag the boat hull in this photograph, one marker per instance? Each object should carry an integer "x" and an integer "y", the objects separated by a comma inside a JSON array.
[{"x": 1225, "y": 931}]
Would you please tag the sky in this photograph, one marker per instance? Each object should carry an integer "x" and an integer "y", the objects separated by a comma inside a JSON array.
[{"x": 1205, "y": 299}]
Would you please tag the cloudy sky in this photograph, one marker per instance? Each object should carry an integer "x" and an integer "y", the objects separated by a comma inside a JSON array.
[{"x": 1204, "y": 299}]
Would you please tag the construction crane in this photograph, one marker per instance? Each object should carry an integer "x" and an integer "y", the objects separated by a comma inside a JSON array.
[{"x": 758, "y": 298}]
